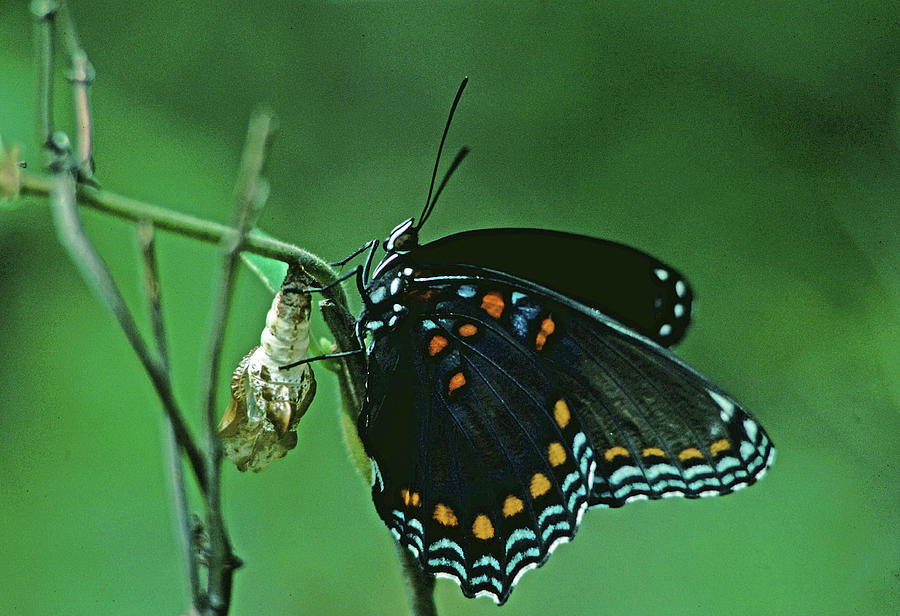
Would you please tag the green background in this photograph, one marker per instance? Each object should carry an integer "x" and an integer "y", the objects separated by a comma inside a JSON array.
[{"x": 756, "y": 149}]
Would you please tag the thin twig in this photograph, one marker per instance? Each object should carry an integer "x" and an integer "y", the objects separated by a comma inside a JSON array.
[
  {"x": 97, "y": 276},
  {"x": 81, "y": 77},
  {"x": 419, "y": 585},
  {"x": 65, "y": 193},
  {"x": 44, "y": 12},
  {"x": 250, "y": 194},
  {"x": 152, "y": 291},
  {"x": 35, "y": 184},
  {"x": 67, "y": 27},
  {"x": 61, "y": 188}
]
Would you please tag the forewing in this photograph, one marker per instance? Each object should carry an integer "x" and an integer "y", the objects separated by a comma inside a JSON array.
[{"x": 637, "y": 289}]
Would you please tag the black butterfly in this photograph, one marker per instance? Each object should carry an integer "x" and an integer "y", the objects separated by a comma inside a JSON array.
[{"x": 517, "y": 377}]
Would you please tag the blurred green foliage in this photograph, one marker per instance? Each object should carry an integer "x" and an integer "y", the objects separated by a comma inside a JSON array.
[{"x": 754, "y": 147}]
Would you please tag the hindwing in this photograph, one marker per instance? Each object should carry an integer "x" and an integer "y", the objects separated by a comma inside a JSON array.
[{"x": 497, "y": 411}]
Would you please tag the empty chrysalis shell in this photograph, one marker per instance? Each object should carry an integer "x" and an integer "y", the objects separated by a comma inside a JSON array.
[{"x": 266, "y": 404}]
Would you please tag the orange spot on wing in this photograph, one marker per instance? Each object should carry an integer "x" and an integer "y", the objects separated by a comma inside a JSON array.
[
  {"x": 547, "y": 328},
  {"x": 456, "y": 381},
  {"x": 540, "y": 485},
  {"x": 691, "y": 453},
  {"x": 556, "y": 454},
  {"x": 493, "y": 304},
  {"x": 410, "y": 499},
  {"x": 436, "y": 345},
  {"x": 612, "y": 452},
  {"x": 511, "y": 506},
  {"x": 444, "y": 515},
  {"x": 561, "y": 413},
  {"x": 482, "y": 527},
  {"x": 653, "y": 451},
  {"x": 467, "y": 330},
  {"x": 719, "y": 446}
]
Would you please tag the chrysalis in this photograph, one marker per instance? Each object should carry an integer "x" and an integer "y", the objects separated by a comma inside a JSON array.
[{"x": 266, "y": 404}]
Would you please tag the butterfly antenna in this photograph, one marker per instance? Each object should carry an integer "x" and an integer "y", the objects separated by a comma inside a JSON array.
[{"x": 429, "y": 202}]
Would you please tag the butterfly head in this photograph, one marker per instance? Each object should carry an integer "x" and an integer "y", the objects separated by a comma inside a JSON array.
[{"x": 403, "y": 238}]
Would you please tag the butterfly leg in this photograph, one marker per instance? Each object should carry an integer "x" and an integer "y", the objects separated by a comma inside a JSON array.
[
  {"x": 367, "y": 246},
  {"x": 321, "y": 357},
  {"x": 355, "y": 271}
]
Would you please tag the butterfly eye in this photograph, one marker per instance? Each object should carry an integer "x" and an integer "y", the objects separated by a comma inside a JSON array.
[{"x": 403, "y": 237}]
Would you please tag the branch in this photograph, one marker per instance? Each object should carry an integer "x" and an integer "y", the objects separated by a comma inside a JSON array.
[
  {"x": 251, "y": 192},
  {"x": 176, "y": 474},
  {"x": 81, "y": 77},
  {"x": 97, "y": 276},
  {"x": 167, "y": 219},
  {"x": 44, "y": 12},
  {"x": 61, "y": 188},
  {"x": 250, "y": 195}
]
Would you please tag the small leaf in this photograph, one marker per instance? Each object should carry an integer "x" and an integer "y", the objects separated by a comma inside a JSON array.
[{"x": 270, "y": 271}]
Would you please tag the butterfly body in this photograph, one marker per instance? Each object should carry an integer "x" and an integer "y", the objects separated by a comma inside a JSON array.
[{"x": 503, "y": 398}]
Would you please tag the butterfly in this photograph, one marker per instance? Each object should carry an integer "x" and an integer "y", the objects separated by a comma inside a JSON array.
[{"x": 518, "y": 377}]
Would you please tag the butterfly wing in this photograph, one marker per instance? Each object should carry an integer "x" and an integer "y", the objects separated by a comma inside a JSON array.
[
  {"x": 625, "y": 283},
  {"x": 497, "y": 411}
]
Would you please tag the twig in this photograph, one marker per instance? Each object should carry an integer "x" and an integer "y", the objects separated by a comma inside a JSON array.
[
  {"x": 62, "y": 192},
  {"x": 67, "y": 26},
  {"x": 190, "y": 226},
  {"x": 98, "y": 278},
  {"x": 152, "y": 289},
  {"x": 250, "y": 194},
  {"x": 419, "y": 585},
  {"x": 45, "y": 13},
  {"x": 81, "y": 77},
  {"x": 173, "y": 450}
]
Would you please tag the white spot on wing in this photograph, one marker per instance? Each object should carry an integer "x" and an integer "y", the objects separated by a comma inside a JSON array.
[
  {"x": 751, "y": 429},
  {"x": 377, "y": 296},
  {"x": 724, "y": 403},
  {"x": 748, "y": 451},
  {"x": 620, "y": 475},
  {"x": 699, "y": 469},
  {"x": 445, "y": 544},
  {"x": 376, "y": 475},
  {"x": 466, "y": 290},
  {"x": 658, "y": 469}
]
